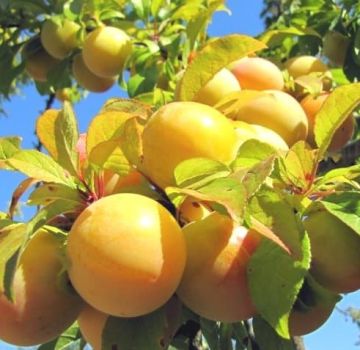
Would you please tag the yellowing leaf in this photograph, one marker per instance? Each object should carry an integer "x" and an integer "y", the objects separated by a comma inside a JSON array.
[
  {"x": 108, "y": 155},
  {"x": 45, "y": 130},
  {"x": 135, "y": 107},
  {"x": 104, "y": 127},
  {"x": 213, "y": 57},
  {"x": 335, "y": 110},
  {"x": 8, "y": 147}
]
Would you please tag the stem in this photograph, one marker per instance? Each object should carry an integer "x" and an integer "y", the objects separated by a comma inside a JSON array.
[{"x": 299, "y": 343}]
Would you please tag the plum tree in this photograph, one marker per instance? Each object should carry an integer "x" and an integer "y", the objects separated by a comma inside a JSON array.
[
  {"x": 272, "y": 109},
  {"x": 59, "y": 39},
  {"x": 335, "y": 252},
  {"x": 246, "y": 131},
  {"x": 191, "y": 130},
  {"x": 38, "y": 63},
  {"x": 141, "y": 249},
  {"x": 87, "y": 79},
  {"x": 105, "y": 51},
  {"x": 257, "y": 73},
  {"x": 311, "y": 105},
  {"x": 44, "y": 305},
  {"x": 222, "y": 83},
  {"x": 214, "y": 284},
  {"x": 92, "y": 323},
  {"x": 304, "y": 65}
]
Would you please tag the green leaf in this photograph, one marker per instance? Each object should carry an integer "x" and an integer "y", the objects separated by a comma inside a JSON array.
[
  {"x": 8, "y": 147},
  {"x": 339, "y": 175},
  {"x": 282, "y": 276},
  {"x": 277, "y": 36},
  {"x": 250, "y": 153},
  {"x": 196, "y": 172},
  {"x": 335, "y": 110},
  {"x": 137, "y": 333},
  {"x": 345, "y": 206},
  {"x": 213, "y": 57},
  {"x": 273, "y": 211},
  {"x": 210, "y": 331},
  {"x": 228, "y": 192},
  {"x": 68, "y": 340},
  {"x": 257, "y": 175},
  {"x": 268, "y": 339},
  {"x": 298, "y": 167},
  {"x": 66, "y": 136},
  {"x": 12, "y": 237},
  {"x": 155, "y": 7},
  {"x": 41, "y": 167},
  {"x": 46, "y": 193}
]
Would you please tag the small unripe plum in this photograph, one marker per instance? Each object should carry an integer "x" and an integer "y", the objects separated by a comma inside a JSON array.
[
  {"x": 43, "y": 306},
  {"x": 247, "y": 131},
  {"x": 222, "y": 83},
  {"x": 106, "y": 50},
  {"x": 215, "y": 284},
  {"x": 87, "y": 79},
  {"x": 59, "y": 40},
  {"x": 184, "y": 130},
  {"x": 38, "y": 63},
  {"x": 304, "y": 65},
  {"x": 335, "y": 249},
  {"x": 92, "y": 323},
  {"x": 257, "y": 73},
  {"x": 275, "y": 110},
  {"x": 311, "y": 105},
  {"x": 126, "y": 254}
]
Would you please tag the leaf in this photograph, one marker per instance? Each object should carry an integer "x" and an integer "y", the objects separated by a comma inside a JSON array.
[
  {"x": 210, "y": 331},
  {"x": 46, "y": 193},
  {"x": 298, "y": 167},
  {"x": 49, "y": 212},
  {"x": 66, "y": 136},
  {"x": 68, "y": 340},
  {"x": 339, "y": 175},
  {"x": 275, "y": 37},
  {"x": 19, "y": 191},
  {"x": 8, "y": 147},
  {"x": 108, "y": 155},
  {"x": 225, "y": 191},
  {"x": 250, "y": 153},
  {"x": 134, "y": 107},
  {"x": 196, "y": 172},
  {"x": 268, "y": 339},
  {"x": 131, "y": 141},
  {"x": 45, "y": 130},
  {"x": 137, "y": 333},
  {"x": 345, "y": 206},
  {"x": 271, "y": 269},
  {"x": 257, "y": 175},
  {"x": 213, "y": 57},
  {"x": 104, "y": 127},
  {"x": 273, "y": 211},
  {"x": 41, "y": 167},
  {"x": 335, "y": 110},
  {"x": 12, "y": 238}
]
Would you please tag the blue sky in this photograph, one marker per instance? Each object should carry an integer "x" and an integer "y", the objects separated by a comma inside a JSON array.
[{"x": 338, "y": 333}]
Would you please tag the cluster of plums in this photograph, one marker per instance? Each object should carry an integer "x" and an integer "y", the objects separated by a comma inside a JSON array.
[
  {"x": 126, "y": 255},
  {"x": 96, "y": 61}
]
